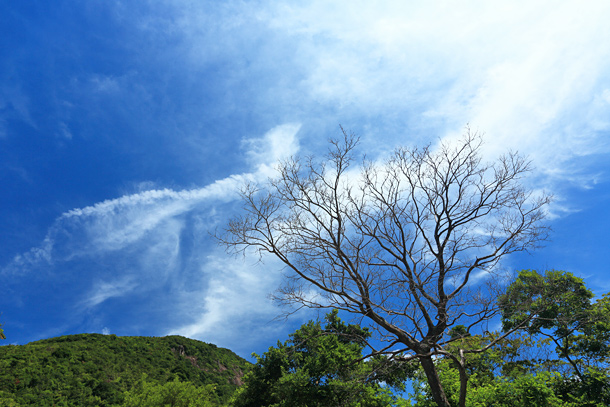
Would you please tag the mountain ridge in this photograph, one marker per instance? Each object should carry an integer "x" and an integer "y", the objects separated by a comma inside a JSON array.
[{"x": 97, "y": 369}]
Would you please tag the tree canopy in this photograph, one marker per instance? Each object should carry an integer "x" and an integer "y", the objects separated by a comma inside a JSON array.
[
  {"x": 321, "y": 366},
  {"x": 173, "y": 394},
  {"x": 557, "y": 305},
  {"x": 557, "y": 354},
  {"x": 553, "y": 350}
]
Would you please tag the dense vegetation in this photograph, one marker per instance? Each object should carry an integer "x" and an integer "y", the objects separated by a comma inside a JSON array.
[
  {"x": 106, "y": 370},
  {"x": 321, "y": 366},
  {"x": 553, "y": 349},
  {"x": 559, "y": 356}
]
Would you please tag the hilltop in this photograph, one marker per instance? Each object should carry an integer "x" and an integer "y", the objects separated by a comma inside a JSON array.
[{"x": 96, "y": 369}]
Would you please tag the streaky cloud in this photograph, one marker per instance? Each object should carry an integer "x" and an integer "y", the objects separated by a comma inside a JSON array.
[
  {"x": 106, "y": 290},
  {"x": 115, "y": 224},
  {"x": 154, "y": 246}
]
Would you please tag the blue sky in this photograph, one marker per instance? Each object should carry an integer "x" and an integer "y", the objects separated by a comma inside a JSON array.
[{"x": 127, "y": 127}]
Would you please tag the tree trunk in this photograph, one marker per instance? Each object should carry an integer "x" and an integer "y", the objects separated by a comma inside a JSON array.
[
  {"x": 434, "y": 382},
  {"x": 463, "y": 379}
]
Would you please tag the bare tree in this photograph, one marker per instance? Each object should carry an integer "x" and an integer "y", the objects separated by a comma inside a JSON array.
[{"x": 408, "y": 244}]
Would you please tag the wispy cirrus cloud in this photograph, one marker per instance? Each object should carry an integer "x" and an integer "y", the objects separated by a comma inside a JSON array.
[
  {"x": 115, "y": 224},
  {"x": 155, "y": 241},
  {"x": 234, "y": 302},
  {"x": 118, "y": 223},
  {"x": 531, "y": 76},
  {"x": 106, "y": 290}
]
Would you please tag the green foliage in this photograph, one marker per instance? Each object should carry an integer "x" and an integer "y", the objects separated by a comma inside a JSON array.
[
  {"x": 554, "y": 300},
  {"x": 97, "y": 370},
  {"x": 560, "y": 359},
  {"x": 320, "y": 367},
  {"x": 174, "y": 394},
  {"x": 496, "y": 378},
  {"x": 525, "y": 390},
  {"x": 558, "y": 355},
  {"x": 489, "y": 372},
  {"x": 595, "y": 338},
  {"x": 558, "y": 306}
]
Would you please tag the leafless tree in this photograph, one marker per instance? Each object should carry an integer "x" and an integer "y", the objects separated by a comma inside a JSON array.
[{"x": 411, "y": 244}]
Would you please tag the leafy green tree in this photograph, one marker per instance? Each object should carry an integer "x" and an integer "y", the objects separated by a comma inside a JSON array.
[
  {"x": 496, "y": 378},
  {"x": 532, "y": 390},
  {"x": 509, "y": 374},
  {"x": 557, "y": 305},
  {"x": 557, "y": 353},
  {"x": 170, "y": 394},
  {"x": 321, "y": 366},
  {"x": 7, "y": 401}
]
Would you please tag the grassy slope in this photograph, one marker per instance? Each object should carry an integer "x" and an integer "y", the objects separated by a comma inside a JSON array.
[{"x": 94, "y": 369}]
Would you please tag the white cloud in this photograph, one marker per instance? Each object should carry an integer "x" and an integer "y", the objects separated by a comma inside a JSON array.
[
  {"x": 115, "y": 224},
  {"x": 14, "y": 103},
  {"x": 234, "y": 301},
  {"x": 104, "y": 290},
  {"x": 65, "y": 131},
  {"x": 105, "y": 84},
  {"x": 530, "y": 75},
  {"x": 150, "y": 216},
  {"x": 541, "y": 100},
  {"x": 278, "y": 144},
  {"x": 140, "y": 243}
]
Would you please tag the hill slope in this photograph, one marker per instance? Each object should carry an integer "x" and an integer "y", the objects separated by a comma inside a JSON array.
[{"x": 95, "y": 369}]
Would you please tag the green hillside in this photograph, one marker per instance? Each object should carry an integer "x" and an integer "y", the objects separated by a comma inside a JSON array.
[{"x": 95, "y": 369}]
